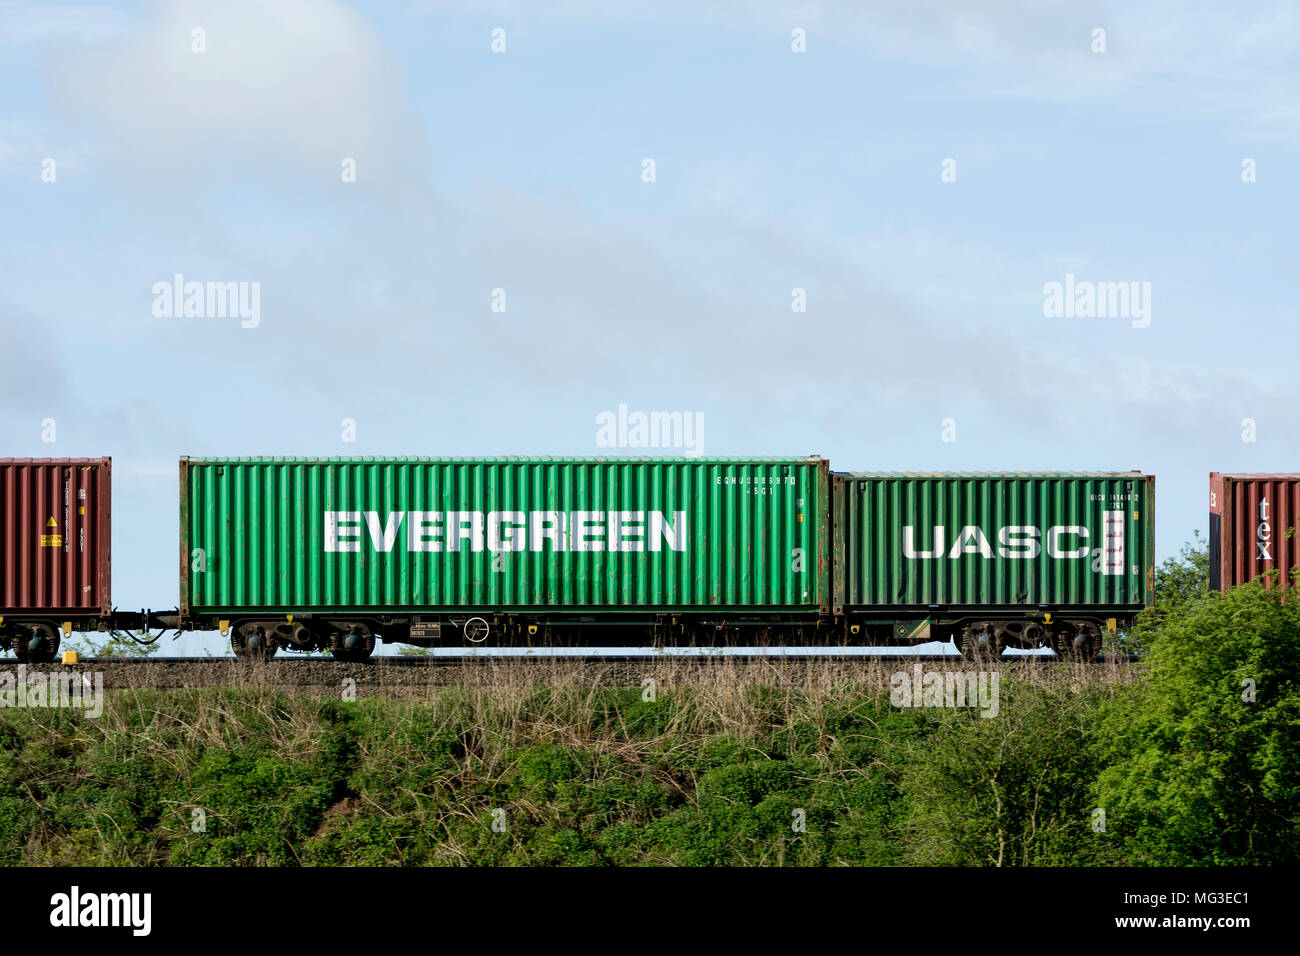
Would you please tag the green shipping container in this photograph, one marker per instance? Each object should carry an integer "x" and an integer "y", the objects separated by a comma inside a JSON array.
[
  {"x": 913, "y": 542},
  {"x": 289, "y": 535}
]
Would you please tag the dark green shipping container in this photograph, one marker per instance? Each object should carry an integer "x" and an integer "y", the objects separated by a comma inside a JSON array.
[
  {"x": 289, "y": 535},
  {"x": 915, "y": 542}
]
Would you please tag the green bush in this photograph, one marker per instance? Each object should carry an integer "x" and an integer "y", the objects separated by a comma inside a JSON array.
[
  {"x": 1203, "y": 756},
  {"x": 1184, "y": 770},
  {"x": 1014, "y": 790}
]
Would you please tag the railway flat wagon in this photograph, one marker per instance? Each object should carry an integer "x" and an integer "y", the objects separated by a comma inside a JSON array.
[
  {"x": 993, "y": 560},
  {"x": 337, "y": 552},
  {"x": 1254, "y": 519},
  {"x": 55, "y": 573}
]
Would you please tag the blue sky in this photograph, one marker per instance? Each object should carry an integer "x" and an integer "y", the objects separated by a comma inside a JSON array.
[{"x": 774, "y": 170}]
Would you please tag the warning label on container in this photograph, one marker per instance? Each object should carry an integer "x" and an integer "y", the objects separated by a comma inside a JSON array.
[
  {"x": 51, "y": 540},
  {"x": 1112, "y": 558}
]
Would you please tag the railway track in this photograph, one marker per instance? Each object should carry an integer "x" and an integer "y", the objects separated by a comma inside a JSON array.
[{"x": 467, "y": 659}]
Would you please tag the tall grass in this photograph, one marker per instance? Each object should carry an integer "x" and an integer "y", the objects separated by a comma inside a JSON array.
[{"x": 783, "y": 762}]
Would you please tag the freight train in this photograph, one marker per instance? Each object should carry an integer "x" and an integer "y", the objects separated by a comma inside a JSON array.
[{"x": 338, "y": 553}]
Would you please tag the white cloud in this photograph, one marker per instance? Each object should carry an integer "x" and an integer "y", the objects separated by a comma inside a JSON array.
[
  {"x": 691, "y": 310},
  {"x": 26, "y": 23},
  {"x": 295, "y": 86},
  {"x": 1204, "y": 59}
]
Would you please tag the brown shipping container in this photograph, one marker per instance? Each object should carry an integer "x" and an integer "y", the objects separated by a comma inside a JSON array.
[
  {"x": 1253, "y": 522},
  {"x": 54, "y": 537}
]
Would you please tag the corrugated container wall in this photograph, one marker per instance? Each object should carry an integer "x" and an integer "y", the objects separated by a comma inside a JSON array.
[
  {"x": 54, "y": 536},
  {"x": 1253, "y": 526},
  {"x": 1010, "y": 540},
  {"x": 434, "y": 534}
]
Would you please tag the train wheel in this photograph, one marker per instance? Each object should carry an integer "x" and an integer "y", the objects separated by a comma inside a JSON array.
[
  {"x": 36, "y": 644},
  {"x": 1080, "y": 642},
  {"x": 1033, "y": 636},
  {"x": 981, "y": 644},
  {"x": 353, "y": 644},
  {"x": 253, "y": 642}
]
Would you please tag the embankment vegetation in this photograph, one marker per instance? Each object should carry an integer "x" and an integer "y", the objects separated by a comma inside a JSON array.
[{"x": 1196, "y": 760}]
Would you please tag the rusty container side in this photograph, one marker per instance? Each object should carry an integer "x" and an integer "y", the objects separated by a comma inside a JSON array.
[
  {"x": 55, "y": 538},
  {"x": 1254, "y": 519}
]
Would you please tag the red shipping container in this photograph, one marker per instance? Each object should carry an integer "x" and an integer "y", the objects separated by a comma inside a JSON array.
[
  {"x": 54, "y": 538},
  {"x": 1253, "y": 527}
]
